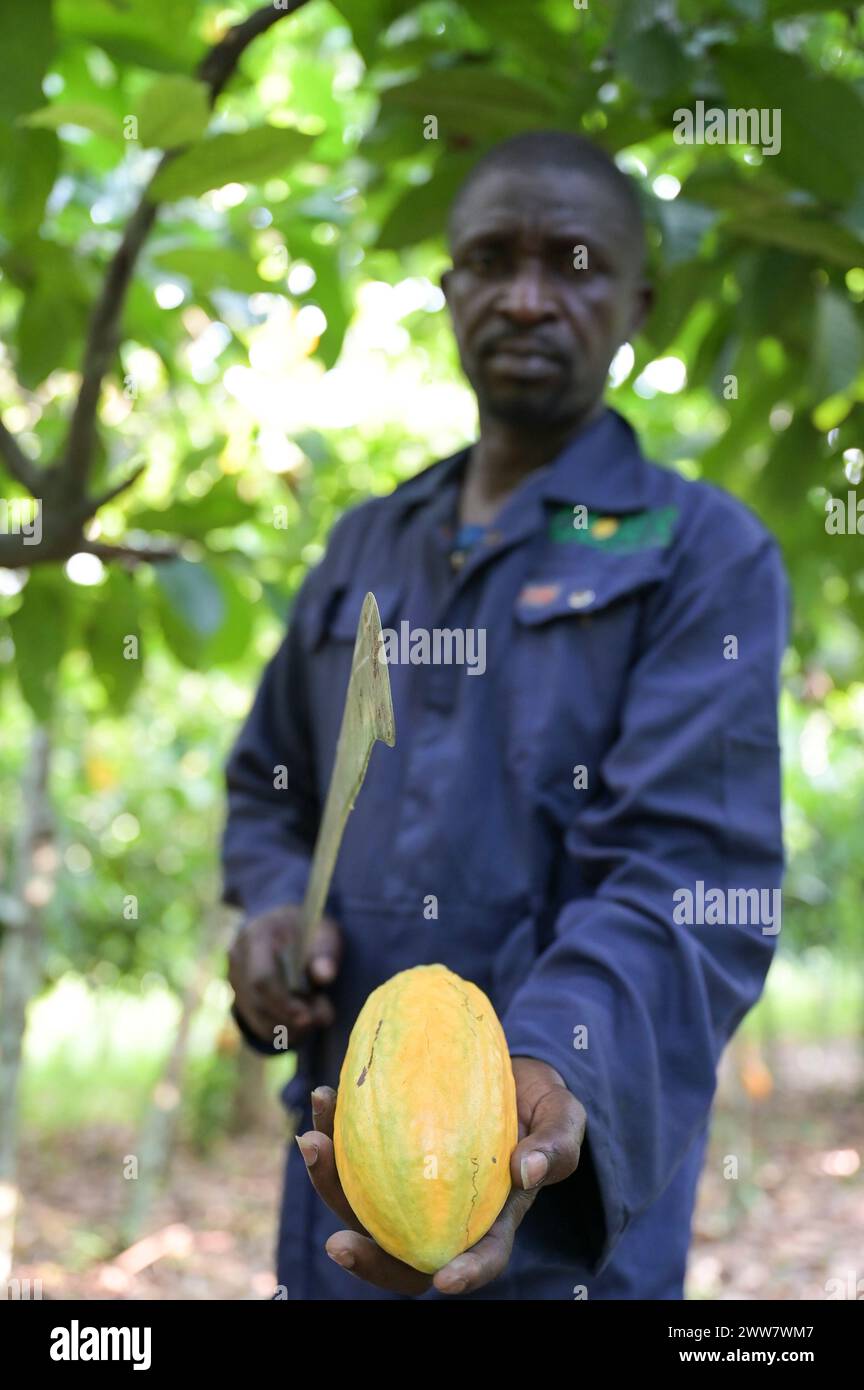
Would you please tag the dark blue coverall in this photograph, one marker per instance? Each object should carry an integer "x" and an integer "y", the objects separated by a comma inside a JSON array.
[{"x": 641, "y": 644}]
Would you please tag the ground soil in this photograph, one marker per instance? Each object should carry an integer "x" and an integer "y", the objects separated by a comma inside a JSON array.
[{"x": 787, "y": 1227}]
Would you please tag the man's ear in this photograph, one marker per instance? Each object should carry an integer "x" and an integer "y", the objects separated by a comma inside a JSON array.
[
  {"x": 445, "y": 279},
  {"x": 643, "y": 303}
]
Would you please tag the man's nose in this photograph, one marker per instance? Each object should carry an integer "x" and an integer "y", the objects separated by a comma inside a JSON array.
[{"x": 527, "y": 297}]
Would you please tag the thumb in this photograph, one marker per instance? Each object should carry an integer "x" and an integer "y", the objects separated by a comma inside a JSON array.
[
  {"x": 325, "y": 952},
  {"x": 551, "y": 1149}
]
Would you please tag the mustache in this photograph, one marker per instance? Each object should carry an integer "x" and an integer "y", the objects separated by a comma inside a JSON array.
[{"x": 522, "y": 342}]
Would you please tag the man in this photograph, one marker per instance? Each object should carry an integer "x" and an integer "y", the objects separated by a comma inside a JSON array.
[{"x": 553, "y": 825}]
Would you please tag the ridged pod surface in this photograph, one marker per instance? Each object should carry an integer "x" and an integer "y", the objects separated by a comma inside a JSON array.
[{"x": 426, "y": 1116}]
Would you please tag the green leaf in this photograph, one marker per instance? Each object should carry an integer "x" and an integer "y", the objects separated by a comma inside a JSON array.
[
  {"x": 777, "y": 296},
  {"x": 173, "y": 111},
  {"x": 654, "y": 62},
  {"x": 236, "y": 630},
  {"x": 815, "y": 109},
  {"x": 368, "y": 19},
  {"x": 472, "y": 102},
  {"x": 315, "y": 446},
  {"x": 795, "y": 231},
  {"x": 785, "y": 9},
  {"x": 217, "y": 508},
  {"x": 680, "y": 291},
  {"x": 247, "y": 157},
  {"x": 28, "y": 42},
  {"x": 214, "y": 268},
  {"x": 838, "y": 345},
  {"x": 684, "y": 227},
  {"x": 853, "y": 217},
  {"x": 115, "y": 618},
  {"x": 634, "y": 16},
  {"x": 157, "y": 34},
  {"x": 205, "y": 618},
  {"x": 27, "y": 174},
  {"x": 193, "y": 595},
  {"x": 758, "y": 192},
  {"x": 528, "y": 31},
  {"x": 40, "y": 630},
  {"x": 421, "y": 211},
  {"x": 81, "y": 113},
  {"x": 328, "y": 293},
  {"x": 50, "y": 330}
]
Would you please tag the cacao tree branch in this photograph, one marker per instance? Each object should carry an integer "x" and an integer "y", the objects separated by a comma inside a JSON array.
[
  {"x": 18, "y": 550},
  {"x": 217, "y": 66},
  {"x": 59, "y": 540},
  {"x": 101, "y": 345},
  {"x": 16, "y": 461},
  {"x": 104, "y": 331},
  {"x": 134, "y": 553},
  {"x": 94, "y": 503}
]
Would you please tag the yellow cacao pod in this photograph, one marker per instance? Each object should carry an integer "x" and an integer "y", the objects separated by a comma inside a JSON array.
[{"x": 425, "y": 1118}]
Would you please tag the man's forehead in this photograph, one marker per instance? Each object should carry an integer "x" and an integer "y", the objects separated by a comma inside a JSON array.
[{"x": 512, "y": 199}]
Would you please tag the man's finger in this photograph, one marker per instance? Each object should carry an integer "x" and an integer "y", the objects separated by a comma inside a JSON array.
[
  {"x": 325, "y": 952},
  {"x": 549, "y": 1153},
  {"x": 323, "y": 1100},
  {"x": 361, "y": 1256},
  {"x": 484, "y": 1261},
  {"x": 320, "y": 1160},
  {"x": 290, "y": 1011}
]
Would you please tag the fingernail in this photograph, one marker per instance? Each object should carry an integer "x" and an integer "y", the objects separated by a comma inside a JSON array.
[
  {"x": 456, "y": 1279},
  {"x": 533, "y": 1169},
  {"x": 308, "y": 1150},
  {"x": 343, "y": 1258},
  {"x": 324, "y": 968}
]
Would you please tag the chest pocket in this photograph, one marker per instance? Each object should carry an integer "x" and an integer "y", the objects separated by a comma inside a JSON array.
[
  {"x": 328, "y": 632},
  {"x": 574, "y": 641},
  {"x": 335, "y": 614}
]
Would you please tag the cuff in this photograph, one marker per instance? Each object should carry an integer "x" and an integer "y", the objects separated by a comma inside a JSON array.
[
  {"x": 258, "y": 891},
  {"x": 584, "y": 1214},
  {"x": 257, "y": 1044}
]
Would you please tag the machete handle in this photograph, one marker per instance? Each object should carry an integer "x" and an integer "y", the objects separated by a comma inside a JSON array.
[{"x": 294, "y": 969}]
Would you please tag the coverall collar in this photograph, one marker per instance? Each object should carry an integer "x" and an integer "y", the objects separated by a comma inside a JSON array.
[{"x": 602, "y": 468}]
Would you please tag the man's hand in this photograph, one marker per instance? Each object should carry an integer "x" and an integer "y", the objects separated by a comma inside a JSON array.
[
  {"x": 263, "y": 999},
  {"x": 551, "y": 1129}
]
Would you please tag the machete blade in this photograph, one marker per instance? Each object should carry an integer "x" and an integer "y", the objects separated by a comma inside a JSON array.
[{"x": 366, "y": 719}]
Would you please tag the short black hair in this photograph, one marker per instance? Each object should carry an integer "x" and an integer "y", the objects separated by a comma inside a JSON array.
[{"x": 555, "y": 149}]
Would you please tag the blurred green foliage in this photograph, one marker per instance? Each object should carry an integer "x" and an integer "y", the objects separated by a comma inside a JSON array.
[{"x": 264, "y": 401}]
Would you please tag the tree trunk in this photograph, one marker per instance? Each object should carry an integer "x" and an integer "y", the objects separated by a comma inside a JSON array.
[
  {"x": 20, "y": 971},
  {"x": 153, "y": 1148},
  {"x": 250, "y": 1100}
]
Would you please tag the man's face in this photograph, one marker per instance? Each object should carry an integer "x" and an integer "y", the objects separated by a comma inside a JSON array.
[{"x": 537, "y": 328}]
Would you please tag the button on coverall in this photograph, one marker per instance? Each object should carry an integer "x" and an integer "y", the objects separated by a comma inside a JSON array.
[{"x": 581, "y": 815}]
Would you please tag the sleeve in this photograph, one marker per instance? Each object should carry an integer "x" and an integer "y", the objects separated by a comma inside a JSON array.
[
  {"x": 273, "y": 807},
  {"x": 679, "y": 855}
]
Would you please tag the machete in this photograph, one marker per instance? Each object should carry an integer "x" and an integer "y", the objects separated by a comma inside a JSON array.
[{"x": 366, "y": 718}]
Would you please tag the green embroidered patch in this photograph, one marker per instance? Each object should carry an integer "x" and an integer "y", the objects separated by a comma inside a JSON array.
[{"x": 642, "y": 531}]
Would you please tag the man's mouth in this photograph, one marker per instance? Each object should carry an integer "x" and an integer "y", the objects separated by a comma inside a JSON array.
[{"x": 523, "y": 359}]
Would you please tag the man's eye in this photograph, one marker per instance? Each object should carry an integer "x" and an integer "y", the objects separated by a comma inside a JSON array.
[{"x": 486, "y": 258}]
